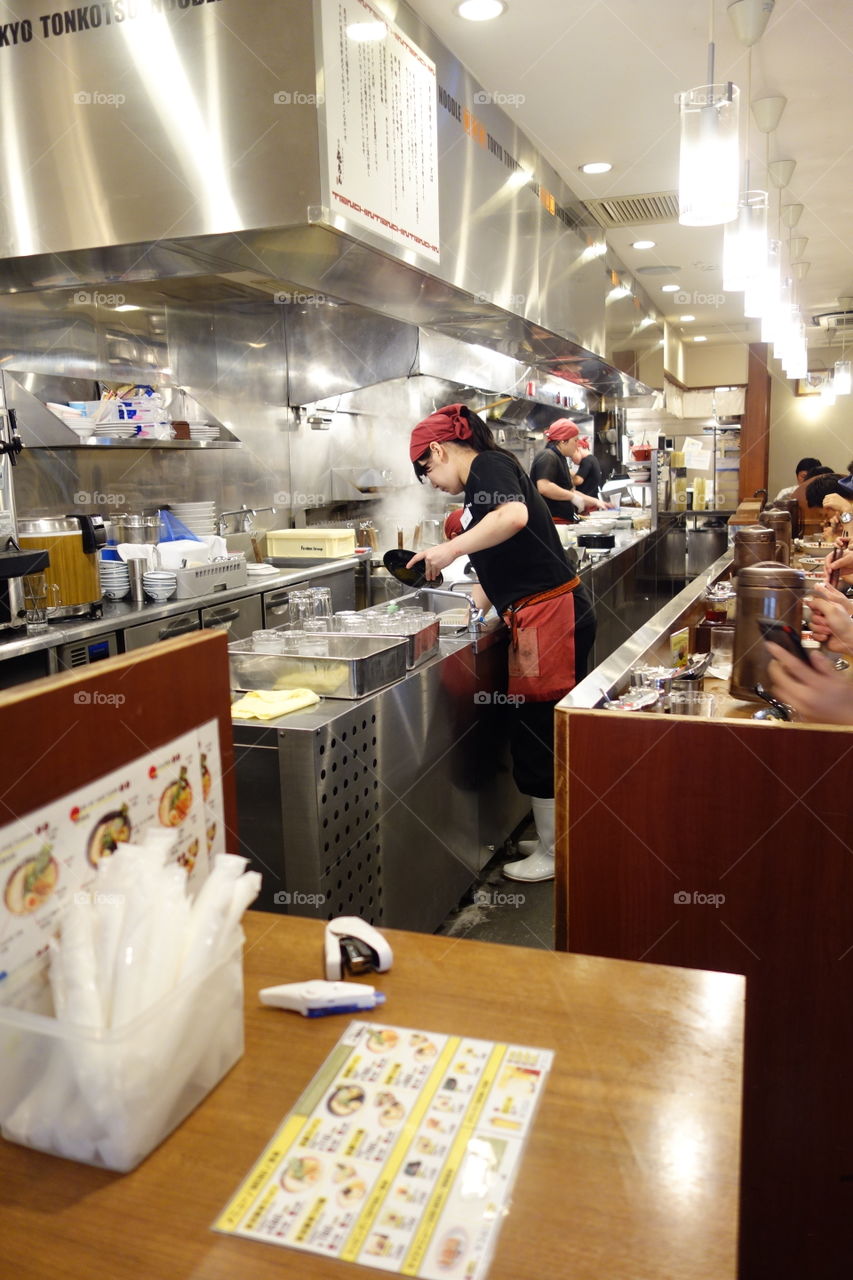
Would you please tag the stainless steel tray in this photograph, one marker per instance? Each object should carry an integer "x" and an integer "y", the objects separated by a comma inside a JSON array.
[
  {"x": 355, "y": 666},
  {"x": 421, "y": 645}
]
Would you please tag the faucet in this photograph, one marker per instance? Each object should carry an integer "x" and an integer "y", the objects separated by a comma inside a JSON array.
[
  {"x": 473, "y": 611},
  {"x": 246, "y": 515}
]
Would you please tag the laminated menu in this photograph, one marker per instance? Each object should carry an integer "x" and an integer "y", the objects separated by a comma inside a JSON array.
[
  {"x": 55, "y": 851},
  {"x": 400, "y": 1154}
]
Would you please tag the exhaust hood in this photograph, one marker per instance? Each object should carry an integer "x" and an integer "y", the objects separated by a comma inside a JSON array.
[{"x": 244, "y": 172}]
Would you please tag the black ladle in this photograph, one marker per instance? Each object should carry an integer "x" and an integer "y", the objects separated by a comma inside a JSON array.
[{"x": 395, "y": 562}]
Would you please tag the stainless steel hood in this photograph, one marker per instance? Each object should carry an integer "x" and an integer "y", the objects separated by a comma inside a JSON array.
[{"x": 187, "y": 149}]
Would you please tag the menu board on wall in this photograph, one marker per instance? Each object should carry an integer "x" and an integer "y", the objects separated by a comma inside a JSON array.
[
  {"x": 54, "y": 853},
  {"x": 381, "y": 128},
  {"x": 400, "y": 1154}
]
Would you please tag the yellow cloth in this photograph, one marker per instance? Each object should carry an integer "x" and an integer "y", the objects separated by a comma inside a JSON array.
[{"x": 267, "y": 704}]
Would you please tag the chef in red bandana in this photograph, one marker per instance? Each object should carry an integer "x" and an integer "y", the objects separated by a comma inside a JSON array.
[{"x": 508, "y": 533}]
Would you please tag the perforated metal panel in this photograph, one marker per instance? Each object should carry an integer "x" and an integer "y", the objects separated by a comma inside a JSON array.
[{"x": 348, "y": 797}]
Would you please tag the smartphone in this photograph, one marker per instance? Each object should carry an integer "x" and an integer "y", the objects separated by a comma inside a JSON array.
[{"x": 783, "y": 634}]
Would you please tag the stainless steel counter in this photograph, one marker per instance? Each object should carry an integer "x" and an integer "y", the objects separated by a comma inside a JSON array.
[
  {"x": 610, "y": 677},
  {"x": 386, "y": 807},
  {"x": 118, "y": 615}
]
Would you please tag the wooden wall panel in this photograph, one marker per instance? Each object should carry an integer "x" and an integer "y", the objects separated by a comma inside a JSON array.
[
  {"x": 59, "y": 733},
  {"x": 650, "y": 807}
]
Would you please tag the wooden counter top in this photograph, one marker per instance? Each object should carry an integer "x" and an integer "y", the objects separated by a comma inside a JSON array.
[{"x": 631, "y": 1169}]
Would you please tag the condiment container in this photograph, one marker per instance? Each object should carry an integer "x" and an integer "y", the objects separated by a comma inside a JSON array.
[
  {"x": 772, "y": 591},
  {"x": 754, "y": 544}
]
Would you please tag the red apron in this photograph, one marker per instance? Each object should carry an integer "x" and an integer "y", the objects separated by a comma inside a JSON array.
[{"x": 542, "y": 644}]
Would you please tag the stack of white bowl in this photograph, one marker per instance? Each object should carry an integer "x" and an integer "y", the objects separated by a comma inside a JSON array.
[
  {"x": 199, "y": 517},
  {"x": 159, "y": 584},
  {"x": 115, "y": 582},
  {"x": 114, "y": 430}
]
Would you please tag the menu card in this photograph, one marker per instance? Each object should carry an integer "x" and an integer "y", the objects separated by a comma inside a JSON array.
[
  {"x": 55, "y": 851},
  {"x": 400, "y": 1155}
]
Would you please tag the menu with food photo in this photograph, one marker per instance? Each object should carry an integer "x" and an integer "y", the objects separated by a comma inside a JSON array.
[
  {"x": 173, "y": 800},
  {"x": 400, "y": 1154},
  {"x": 56, "y": 850},
  {"x": 213, "y": 798}
]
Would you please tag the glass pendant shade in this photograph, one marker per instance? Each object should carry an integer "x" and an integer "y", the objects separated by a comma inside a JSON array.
[
  {"x": 762, "y": 291},
  {"x": 843, "y": 377},
  {"x": 745, "y": 242},
  {"x": 709, "y": 165}
]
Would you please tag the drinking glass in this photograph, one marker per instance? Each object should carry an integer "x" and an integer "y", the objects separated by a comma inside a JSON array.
[
  {"x": 322, "y": 602},
  {"x": 39, "y": 596},
  {"x": 300, "y": 607}
]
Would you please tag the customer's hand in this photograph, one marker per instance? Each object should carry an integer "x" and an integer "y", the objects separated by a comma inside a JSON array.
[
  {"x": 843, "y": 565},
  {"x": 830, "y": 619},
  {"x": 816, "y": 691}
]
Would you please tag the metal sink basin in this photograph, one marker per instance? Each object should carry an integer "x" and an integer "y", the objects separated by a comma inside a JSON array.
[{"x": 351, "y": 666}]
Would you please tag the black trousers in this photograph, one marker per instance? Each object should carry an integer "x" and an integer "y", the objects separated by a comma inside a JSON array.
[{"x": 532, "y": 723}]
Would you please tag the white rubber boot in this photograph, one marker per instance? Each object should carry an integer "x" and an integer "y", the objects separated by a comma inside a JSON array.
[{"x": 539, "y": 865}]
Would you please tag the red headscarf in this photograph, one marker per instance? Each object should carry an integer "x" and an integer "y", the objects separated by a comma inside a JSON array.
[
  {"x": 562, "y": 429},
  {"x": 444, "y": 424},
  {"x": 453, "y": 523}
]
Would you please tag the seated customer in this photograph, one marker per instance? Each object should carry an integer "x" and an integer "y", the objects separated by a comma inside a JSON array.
[
  {"x": 833, "y": 493},
  {"x": 803, "y": 471}
]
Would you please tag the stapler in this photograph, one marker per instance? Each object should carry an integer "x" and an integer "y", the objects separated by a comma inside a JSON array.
[{"x": 353, "y": 947}]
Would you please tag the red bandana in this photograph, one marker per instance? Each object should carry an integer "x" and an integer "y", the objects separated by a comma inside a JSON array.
[{"x": 444, "y": 424}]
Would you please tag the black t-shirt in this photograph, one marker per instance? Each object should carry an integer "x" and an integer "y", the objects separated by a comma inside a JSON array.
[
  {"x": 531, "y": 560},
  {"x": 589, "y": 469},
  {"x": 551, "y": 465}
]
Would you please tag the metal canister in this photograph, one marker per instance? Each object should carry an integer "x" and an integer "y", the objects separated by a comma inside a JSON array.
[
  {"x": 754, "y": 544},
  {"x": 773, "y": 591},
  {"x": 780, "y": 523}
]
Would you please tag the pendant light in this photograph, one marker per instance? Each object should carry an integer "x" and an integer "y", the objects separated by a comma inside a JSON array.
[
  {"x": 843, "y": 372},
  {"x": 709, "y": 163},
  {"x": 745, "y": 237}
]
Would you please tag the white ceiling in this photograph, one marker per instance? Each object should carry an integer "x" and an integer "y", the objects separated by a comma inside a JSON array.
[{"x": 599, "y": 79}]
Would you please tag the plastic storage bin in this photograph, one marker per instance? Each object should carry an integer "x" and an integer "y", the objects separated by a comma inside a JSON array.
[
  {"x": 315, "y": 543},
  {"x": 108, "y": 1098}
]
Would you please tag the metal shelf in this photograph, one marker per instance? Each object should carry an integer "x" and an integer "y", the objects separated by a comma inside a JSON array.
[{"x": 121, "y": 442}]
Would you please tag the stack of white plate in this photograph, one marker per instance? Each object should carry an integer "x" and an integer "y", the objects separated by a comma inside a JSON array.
[
  {"x": 117, "y": 430},
  {"x": 115, "y": 582},
  {"x": 199, "y": 517},
  {"x": 159, "y": 584},
  {"x": 203, "y": 431}
]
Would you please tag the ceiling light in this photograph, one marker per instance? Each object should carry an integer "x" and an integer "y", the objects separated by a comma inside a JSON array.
[
  {"x": 800, "y": 270},
  {"x": 670, "y": 288},
  {"x": 767, "y": 112},
  {"x": 643, "y": 244},
  {"x": 781, "y": 172},
  {"x": 596, "y": 166},
  {"x": 797, "y": 246},
  {"x": 699, "y": 338},
  {"x": 480, "y": 10},
  {"x": 686, "y": 319},
  {"x": 749, "y": 19},
  {"x": 745, "y": 242},
  {"x": 127, "y": 306},
  {"x": 709, "y": 159},
  {"x": 843, "y": 378},
  {"x": 659, "y": 269},
  {"x": 791, "y": 214}
]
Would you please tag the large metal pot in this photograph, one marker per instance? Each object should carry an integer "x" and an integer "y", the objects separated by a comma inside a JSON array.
[
  {"x": 773, "y": 591},
  {"x": 136, "y": 529}
]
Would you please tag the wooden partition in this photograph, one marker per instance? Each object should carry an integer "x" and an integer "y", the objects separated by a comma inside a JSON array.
[
  {"x": 728, "y": 845},
  {"x": 59, "y": 733}
]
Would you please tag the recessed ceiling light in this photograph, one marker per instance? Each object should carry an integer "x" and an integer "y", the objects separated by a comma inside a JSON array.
[
  {"x": 643, "y": 244},
  {"x": 658, "y": 269},
  {"x": 480, "y": 10},
  {"x": 686, "y": 319},
  {"x": 670, "y": 288},
  {"x": 128, "y": 306},
  {"x": 597, "y": 166},
  {"x": 700, "y": 338}
]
